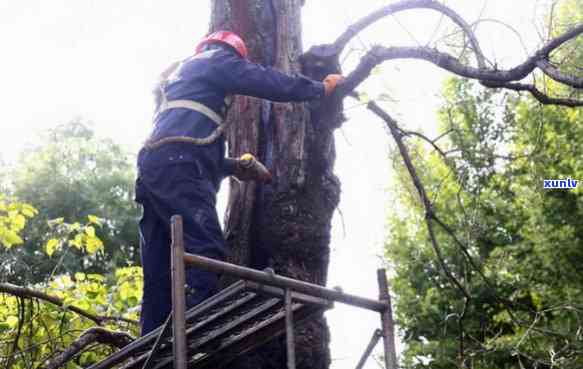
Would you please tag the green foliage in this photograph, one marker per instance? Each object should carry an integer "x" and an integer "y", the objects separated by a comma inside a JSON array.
[
  {"x": 76, "y": 247},
  {"x": 33, "y": 331},
  {"x": 81, "y": 237},
  {"x": 74, "y": 175},
  {"x": 13, "y": 217},
  {"x": 526, "y": 241},
  {"x": 42, "y": 330}
]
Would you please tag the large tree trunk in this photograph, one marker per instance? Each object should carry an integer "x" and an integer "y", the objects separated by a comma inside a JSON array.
[{"x": 285, "y": 225}]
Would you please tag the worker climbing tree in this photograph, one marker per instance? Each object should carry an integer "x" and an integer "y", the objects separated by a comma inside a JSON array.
[{"x": 183, "y": 163}]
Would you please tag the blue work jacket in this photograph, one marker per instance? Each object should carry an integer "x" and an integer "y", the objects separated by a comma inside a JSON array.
[{"x": 208, "y": 78}]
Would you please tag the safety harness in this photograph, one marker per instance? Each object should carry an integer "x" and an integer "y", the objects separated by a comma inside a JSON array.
[{"x": 192, "y": 105}]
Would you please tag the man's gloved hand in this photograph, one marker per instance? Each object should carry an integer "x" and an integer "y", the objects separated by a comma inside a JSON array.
[
  {"x": 248, "y": 168},
  {"x": 330, "y": 83}
]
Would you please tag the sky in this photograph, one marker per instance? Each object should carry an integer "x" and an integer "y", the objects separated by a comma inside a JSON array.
[{"x": 99, "y": 60}]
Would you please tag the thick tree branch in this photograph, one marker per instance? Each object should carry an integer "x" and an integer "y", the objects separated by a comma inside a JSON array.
[
  {"x": 557, "y": 75},
  {"x": 92, "y": 335},
  {"x": 554, "y": 43},
  {"x": 379, "y": 54},
  {"x": 530, "y": 63},
  {"x": 32, "y": 294},
  {"x": 489, "y": 77}
]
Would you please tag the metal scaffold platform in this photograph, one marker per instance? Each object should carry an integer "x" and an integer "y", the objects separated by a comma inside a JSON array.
[{"x": 249, "y": 313}]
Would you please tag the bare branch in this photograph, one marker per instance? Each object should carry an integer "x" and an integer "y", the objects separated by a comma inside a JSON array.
[
  {"x": 462, "y": 345},
  {"x": 30, "y": 294},
  {"x": 394, "y": 8},
  {"x": 435, "y": 30},
  {"x": 426, "y": 139},
  {"x": 553, "y": 44},
  {"x": 536, "y": 93},
  {"x": 379, "y": 54},
  {"x": 92, "y": 335},
  {"x": 443, "y": 135},
  {"x": 429, "y": 216},
  {"x": 512, "y": 29},
  {"x": 557, "y": 75},
  {"x": 489, "y": 77},
  {"x": 15, "y": 346},
  {"x": 551, "y": 18}
]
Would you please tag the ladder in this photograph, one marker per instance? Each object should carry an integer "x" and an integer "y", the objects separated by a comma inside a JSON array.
[{"x": 249, "y": 313}]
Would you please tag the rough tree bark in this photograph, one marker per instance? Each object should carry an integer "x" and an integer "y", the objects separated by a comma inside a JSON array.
[{"x": 289, "y": 220}]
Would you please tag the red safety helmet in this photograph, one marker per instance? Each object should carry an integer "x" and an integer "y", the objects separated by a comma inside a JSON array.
[{"x": 224, "y": 37}]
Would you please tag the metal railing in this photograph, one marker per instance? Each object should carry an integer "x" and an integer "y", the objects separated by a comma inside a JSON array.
[{"x": 180, "y": 259}]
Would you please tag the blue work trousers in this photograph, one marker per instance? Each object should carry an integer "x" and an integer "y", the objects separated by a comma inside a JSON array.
[{"x": 164, "y": 191}]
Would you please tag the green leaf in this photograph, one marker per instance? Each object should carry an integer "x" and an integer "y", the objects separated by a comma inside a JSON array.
[
  {"x": 18, "y": 222},
  {"x": 125, "y": 291},
  {"x": 52, "y": 246},
  {"x": 92, "y": 294},
  {"x": 363, "y": 98},
  {"x": 56, "y": 221},
  {"x": 87, "y": 358},
  {"x": 11, "y": 238},
  {"x": 77, "y": 241},
  {"x": 133, "y": 301},
  {"x": 93, "y": 244},
  {"x": 94, "y": 220},
  {"x": 90, "y": 231},
  {"x": 29, "y": 210},
  {"x": 12, "y": 321},
  {"x": 96, "y": 277}
]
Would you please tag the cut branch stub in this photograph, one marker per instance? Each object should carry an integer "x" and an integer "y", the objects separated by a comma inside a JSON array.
[
  {"x": 320, "y": 61},
  {"x": 317, "y": 63}
]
